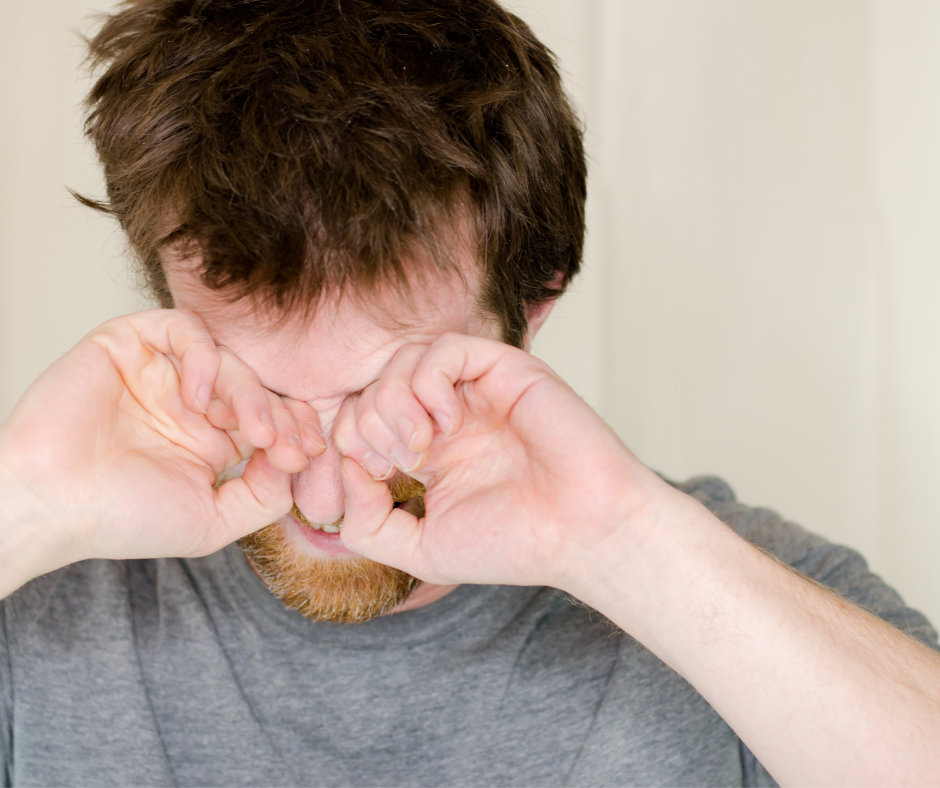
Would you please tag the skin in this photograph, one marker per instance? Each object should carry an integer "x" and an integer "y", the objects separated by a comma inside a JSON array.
[
  {"x": 114, "y": 450},
  {"x": 320, "y": 366}
]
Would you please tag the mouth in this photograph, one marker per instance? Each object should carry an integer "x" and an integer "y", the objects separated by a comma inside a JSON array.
[
  {"x": 407, "y": 493},
  {"x": 329, "y": 528},
  {"x": 414, "y": 505}
]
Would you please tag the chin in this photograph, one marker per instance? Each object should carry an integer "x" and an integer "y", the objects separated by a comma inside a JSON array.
[{"x": 311, "y": 572}]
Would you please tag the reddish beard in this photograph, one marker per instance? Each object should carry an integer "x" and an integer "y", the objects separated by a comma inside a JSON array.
[{"x": 341, "y": 590}]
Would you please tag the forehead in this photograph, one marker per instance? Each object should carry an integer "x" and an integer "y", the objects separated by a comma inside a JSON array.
[{"x": 346, "y": 341}]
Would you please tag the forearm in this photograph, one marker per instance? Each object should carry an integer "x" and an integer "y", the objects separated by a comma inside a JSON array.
[{"x": 821, "y": 691}]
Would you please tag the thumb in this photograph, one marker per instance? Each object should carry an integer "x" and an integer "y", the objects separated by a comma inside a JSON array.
[
  {"x": 373, "y": 527},
  {"x": 260, "y": 496}
]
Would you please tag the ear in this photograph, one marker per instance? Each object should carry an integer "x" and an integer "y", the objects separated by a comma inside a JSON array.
[{"x": 536, "y": 316}]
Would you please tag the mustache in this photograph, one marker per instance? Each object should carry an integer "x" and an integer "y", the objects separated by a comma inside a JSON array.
[{"x": 402, "y": 487}]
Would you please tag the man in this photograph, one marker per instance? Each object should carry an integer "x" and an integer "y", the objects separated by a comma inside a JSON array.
[{"x": 356, "y": 216}]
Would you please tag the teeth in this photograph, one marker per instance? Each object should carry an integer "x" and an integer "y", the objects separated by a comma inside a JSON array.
[{"x": 330, "y": 528}]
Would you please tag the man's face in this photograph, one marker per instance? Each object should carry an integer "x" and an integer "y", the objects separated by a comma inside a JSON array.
[{"x": 343, "y": 348}]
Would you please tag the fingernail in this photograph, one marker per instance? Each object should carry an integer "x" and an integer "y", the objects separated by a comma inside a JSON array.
[
  {"x": 312, "y": 431},
  {"x": 377, "y": 466},
  {"x": 407, "y": 432},
  {"x": 342, "y": 470},
  {"x": 405, "y": 459},
  {"x": 294, "y": 440},
  {"x": 203, "y": 396},
  {"x": 443, "y": 422},
  {"x": 266, "y": 419}
]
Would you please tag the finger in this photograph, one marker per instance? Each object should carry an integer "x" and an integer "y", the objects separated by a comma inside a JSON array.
[
  {"x": 221, "y": 416},
  {"x": 141, "y": 350},
  {"x": 286, "y": 453},
  {"x": 453, "y": 359},
  {"x": 177, "y": 335},
  {"x": 240, "y": 391},
  {"x": 350, "y": 443},
  {"x": 373, "y": 528},
  {"x": 260, "y": 496},
  {"x": 182, "y": 333},
  {"x": 244, "y": 447},
  {"x": 380, "y": 437},
  {"x": 397, "y": 405},
  {"x": 311, "y": 436}
]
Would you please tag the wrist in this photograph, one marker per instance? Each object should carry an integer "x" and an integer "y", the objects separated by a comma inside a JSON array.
[
  {"x": 31, "y": 541},
  {"x": 641, "y": 577}
]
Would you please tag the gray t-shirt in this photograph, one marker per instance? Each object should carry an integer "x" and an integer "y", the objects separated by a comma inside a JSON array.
[{"x": 188, "y": 672}]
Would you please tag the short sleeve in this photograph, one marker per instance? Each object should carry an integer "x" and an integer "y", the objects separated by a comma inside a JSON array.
[
  {"x": 6, "y": 701},
  {"x": 835, "y": 566}
]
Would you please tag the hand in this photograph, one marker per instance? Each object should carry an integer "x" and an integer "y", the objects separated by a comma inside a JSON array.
[
  {"x": 119, "y": 444},
  {"x": 525, "y": 482},
  {"x": 526, "y": 485}
]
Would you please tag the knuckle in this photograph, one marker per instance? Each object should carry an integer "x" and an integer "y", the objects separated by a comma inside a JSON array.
[
  {"x": 344, "y": 432},
  {"x": 387, "y": 387},
  {"x": 351, "y": 538},
  {"x": 114, "y": 330},
  {"x": 364, "y": 401},
  {"x": 412, "y": 350},
  {"x": 449, "y": 339},
  {"x": 120, "y": 341},
  {"x": 283, "y": 419},
  {"x": 280, "y": 503},
  {"x": 186, "y": 317},
  {"x": 371, "y": 423},
  {"x": 299, "y": 411},
  {"x": 416, "y": 348},
  {"x": 426, "y": 382},
  {"x": 242, "y": 396}
]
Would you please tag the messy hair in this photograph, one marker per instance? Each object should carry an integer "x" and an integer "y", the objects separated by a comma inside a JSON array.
[{"x": 304, "y": 145}]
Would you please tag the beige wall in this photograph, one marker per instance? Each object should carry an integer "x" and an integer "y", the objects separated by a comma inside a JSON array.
[
  {"x": 60, "y": 267},
  {"x": 762, "y": 277}
]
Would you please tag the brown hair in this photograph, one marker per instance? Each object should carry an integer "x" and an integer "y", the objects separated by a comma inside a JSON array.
[{"x": 301, "y": 145}]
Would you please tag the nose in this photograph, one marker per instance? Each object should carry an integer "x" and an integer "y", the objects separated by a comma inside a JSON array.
[{"x": 318, "y": 490}]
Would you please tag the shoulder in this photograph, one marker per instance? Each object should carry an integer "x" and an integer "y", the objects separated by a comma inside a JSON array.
[
  {"x": 759, "y": 525},
  {"x": 83, "y": 608},
  {"x": 88, "y": 600}
]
